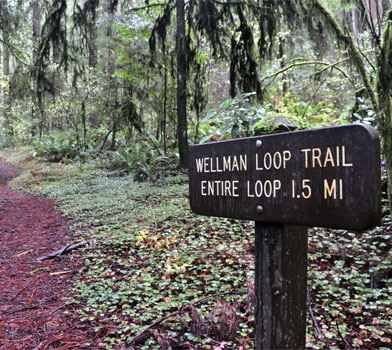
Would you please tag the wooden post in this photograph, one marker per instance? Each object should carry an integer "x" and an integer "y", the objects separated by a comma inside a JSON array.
[{"x": 280, "y": 286}]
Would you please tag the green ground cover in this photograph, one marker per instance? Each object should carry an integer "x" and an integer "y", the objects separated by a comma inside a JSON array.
[{"x": 190, "y": 278}]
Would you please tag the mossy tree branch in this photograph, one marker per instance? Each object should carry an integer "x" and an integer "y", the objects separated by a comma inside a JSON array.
[
  {"x": 308, "y": 63},
  {"x": 354, "y": 52},
  {"x": 384, "y": 78}
]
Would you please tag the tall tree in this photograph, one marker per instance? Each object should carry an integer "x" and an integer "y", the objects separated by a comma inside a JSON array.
[
  {"x": 36, "y": 30},
  {"x": 5, "y": 19},
  {"x": 181, "y": 86}
]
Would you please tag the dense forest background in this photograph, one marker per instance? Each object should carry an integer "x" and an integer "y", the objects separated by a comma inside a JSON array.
[{"x": 136, "y": 82}]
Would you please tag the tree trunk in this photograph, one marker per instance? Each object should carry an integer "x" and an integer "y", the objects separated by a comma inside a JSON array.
[
  {"x": 113, "y": 99},
  {"x": 164, "y": 136},
  {"x": 35, "y": 108},
  {"x": 374, "y": 10},
  {"x": 384, "y": 89},
  {"x": 92, "y": 39},
  {"x": 8, "y": 122},
  {"x": 56, "y": 61},
  {"x": 182, "y": 125},
  {"x": 356, "y": 21},
  {"x": 6, "y": 33},
  {"x": 285, "y": 87},
  {"x": 36, "y": 27}
]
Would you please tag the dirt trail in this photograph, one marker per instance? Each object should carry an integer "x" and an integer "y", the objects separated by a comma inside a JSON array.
[{"x": 32, "y": 294}]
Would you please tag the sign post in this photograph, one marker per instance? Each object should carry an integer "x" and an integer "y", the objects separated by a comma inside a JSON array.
[
  {"x": 280, "y": 286},
  {"x": 327, "y": 177}
]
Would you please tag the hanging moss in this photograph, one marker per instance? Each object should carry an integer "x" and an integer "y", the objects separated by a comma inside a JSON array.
[
  {"x": 53, "y": 36},
  {"x": 243, "y": 66},
  {"x": 85, "y": 27},
  {"x": 160, "y": 29}
]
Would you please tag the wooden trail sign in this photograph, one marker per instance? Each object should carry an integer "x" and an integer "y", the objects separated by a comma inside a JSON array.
[{"x": 323, "y": 177}]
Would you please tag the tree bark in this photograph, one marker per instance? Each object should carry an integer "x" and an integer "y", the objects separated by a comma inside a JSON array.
[
  {"x": 374, "y": 10},
  {"x": 113, "y": 9},
  {"x": 356, "y": 21},
  {"x": 36, "y": 27},
  {"x": 182, "y": 124},
  {"x": 164, "y": 136},
  {"x": 384, "y": 90},
  {"x": 92, "y": 39},
  {"x": 35, "y": 108},
  {"x": 6, "y": 36}
]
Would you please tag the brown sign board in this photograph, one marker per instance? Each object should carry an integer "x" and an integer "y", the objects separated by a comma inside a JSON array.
[{"x": 327, "y": 177}]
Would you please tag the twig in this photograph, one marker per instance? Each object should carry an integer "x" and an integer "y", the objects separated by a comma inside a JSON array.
[
  {"x": 363, "y": 53},
  {"x": 24, "y": 253},
  {"x": 17, "y": 294},
  {"x": 312, "y": 316},
  {"x": 15, "y": 51},
  {"x": 104, "y": 141},
  {"x": 175, "y": 313},
  {"x": 58, "y": 273},
  {"x": 152, "y": 325},
  {"x": 341, "y": 336},
  {"x": 56, "y": 309},
  {"x": 153, "y": 215}
]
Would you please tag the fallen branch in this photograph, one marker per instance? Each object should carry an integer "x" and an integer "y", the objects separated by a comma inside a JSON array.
[
  {"x": 175, "y": 313},
  {"x": 68, "y": 248}
]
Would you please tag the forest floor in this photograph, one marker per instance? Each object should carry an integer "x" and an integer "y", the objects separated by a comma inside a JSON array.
[
  {"x": 32, "y": 293},
  {"x": 159, "y": 277}
]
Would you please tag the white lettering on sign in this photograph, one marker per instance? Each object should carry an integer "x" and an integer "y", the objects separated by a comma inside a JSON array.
[
  {"x": 304, "y": 190},
  {"x": 268, "y": 188},
  {"x": 219, "y": 188},
  {"x": 277, "y": 160},
  {"x": 222, "y": 164},
  {"x": 315, "y": 157},
  {"x": 331, "y": 189}
]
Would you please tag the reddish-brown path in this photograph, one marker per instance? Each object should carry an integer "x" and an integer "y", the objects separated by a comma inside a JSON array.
[{"x": 32, "y": 294}]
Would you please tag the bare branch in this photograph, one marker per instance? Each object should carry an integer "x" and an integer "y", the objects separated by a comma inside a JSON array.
[
  {"x": 175, "y": 313},
  {"x": 307, "y": 63},
  {"x": 149, "y": 6},
  {"x": 15, "y": 51},
  {"x": 312, "y": 315},
  {"x": 231, "y": 3},
  {"x": 66, "y": 249}
]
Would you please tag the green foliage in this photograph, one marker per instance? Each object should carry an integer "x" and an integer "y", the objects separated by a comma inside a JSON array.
[
  {"x": 350, "y": 287},
  {"x": 142, "y": 160},
  {"x": 233, "y": 118},
  {"x": 56, "y": 146},
  {"x": 152, "y": 257},
  {"x": 239, "y": 118}
]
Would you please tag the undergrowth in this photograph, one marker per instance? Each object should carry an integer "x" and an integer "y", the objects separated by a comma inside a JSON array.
[{"x": 160, "y": 277}]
